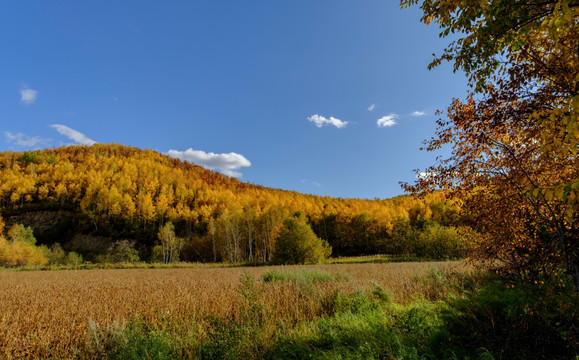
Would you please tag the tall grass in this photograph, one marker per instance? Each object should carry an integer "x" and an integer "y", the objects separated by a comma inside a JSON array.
[
  {"x": 488, "y": 321},
  {"x": 349, "y": 311},
  {"x": 302, "y": 275}
]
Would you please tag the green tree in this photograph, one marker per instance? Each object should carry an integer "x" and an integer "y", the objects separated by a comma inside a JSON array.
[
  {"x": 21, "y": 233},
  {"x": 403, "y": 239},
  {"x": 56, "y": 254},
  {"x": 296, "y": 243},
  {"x": 442, "y": 242},
  {"x": 122, "y": 251}
]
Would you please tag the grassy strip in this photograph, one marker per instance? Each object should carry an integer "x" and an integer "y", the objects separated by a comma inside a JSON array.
[
  {"x": 373, "y": 260},
  {"x": 302, "y": 276},
  {"x": 188, "y": 265},
  {"x": 138, "y": 265}
]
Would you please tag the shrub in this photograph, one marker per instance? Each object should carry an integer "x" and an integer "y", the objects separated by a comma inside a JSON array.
[
  {"x": 73, "y": 258},
  {"x": 156, "y": 254},
  {"x": 296, "y": 243},
  {"x": 56, "y": 254},
  {"x": 402, "y": 239},
  {"x": 21, "y": 233},
  {"x": 432, "y": 241},
  {"x": 19, "y": 249},
  {"x": 122, "y": 251},
  {"x": 441, "y": 242},
  {"x": 13, "y": 254}
]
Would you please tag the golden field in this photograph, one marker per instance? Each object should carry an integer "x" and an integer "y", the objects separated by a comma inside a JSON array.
[{"x": 47, "y": 313}]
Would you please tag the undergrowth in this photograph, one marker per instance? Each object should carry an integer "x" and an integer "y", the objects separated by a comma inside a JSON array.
[{"x": 469, "y": 316}]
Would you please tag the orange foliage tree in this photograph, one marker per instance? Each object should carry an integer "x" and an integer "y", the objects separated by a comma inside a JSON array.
[{"x": 515, "y": 138}]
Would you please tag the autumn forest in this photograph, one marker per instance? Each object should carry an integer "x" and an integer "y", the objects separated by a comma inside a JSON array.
[
  {"x": 97, "y": 196},
  {"x": 478, "y": 260}
]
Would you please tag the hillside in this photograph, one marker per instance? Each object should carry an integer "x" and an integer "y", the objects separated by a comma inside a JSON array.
[{"x": 88, "y": 197}]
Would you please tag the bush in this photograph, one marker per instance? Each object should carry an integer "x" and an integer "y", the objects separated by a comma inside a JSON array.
[
  {"x": 73, "y": 258},
  {"x": 13, "y": 254},
  {"x": 56, "y": 255},
  {"x": 122, "y": 251},
  {"x": 440, "y": 242},
  {"x": 296, "y": 243},
  {"x": 511, "y": 321},
  {"x": 21, "y": 233},
  {"x": 19, "y": 249},
  {"x": 156, "y": 254},
  {"x": 432, "y": 241}
]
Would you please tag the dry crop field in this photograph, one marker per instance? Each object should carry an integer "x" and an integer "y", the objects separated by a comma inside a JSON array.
[{"x": 47, "y": 313}]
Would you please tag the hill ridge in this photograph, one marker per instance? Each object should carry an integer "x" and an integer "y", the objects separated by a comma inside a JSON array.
[{"x": 120, "y": 191}]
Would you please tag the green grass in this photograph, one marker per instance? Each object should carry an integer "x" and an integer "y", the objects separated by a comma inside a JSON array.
[
  {"x": 372, "y": 260},
  {"x": 185, "y": 265},
  {"x": 133, "y": 340},
  {"x": 301, "y": 276},
  {"x": 137, "y": 265},
  {"x": 475, "y": 318}
]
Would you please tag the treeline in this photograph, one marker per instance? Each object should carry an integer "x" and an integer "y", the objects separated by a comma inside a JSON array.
[
  {"x": 246, "y": 236},
  {"x": 123, "y": 192},
  {"x": 18, "y": 248}
]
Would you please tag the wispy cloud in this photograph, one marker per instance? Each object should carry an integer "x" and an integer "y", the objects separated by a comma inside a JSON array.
[
  {"x": 387, "y": 120},
  {"x": 372, "y": 107},
  {"x": 23, "y": 140},
  {"x": 228, "y": 163},
  {"x": 74, "y": 135},
  {"x": 304, "y": 181},
  {"x": 320, "y": 121},
  {"x": 27, "y": 95},
  {"x": 418, "y": 113}
]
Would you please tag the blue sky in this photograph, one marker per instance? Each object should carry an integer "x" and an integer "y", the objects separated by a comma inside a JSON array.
[{"x": 329, "y": 97}]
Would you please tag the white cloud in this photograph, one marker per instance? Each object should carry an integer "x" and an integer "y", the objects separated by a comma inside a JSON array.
[
  {"x": 387, "y": 120},
  {"x": 320, "y": 121},
  {"x": 28, "y": 96},
  {"x": 227, "y": 164},
  {"x": 304, "y": 181},
  {"x": 372, "y": 107},
  {"x": 74, "y": 135},
  {"x": 418, "y": 113},
  {"x": 21, "y": 139},
  {"x": 426, "y": 175}
]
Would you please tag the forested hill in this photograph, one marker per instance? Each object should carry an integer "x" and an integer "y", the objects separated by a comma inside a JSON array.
[{"x": 113, "y": 192}]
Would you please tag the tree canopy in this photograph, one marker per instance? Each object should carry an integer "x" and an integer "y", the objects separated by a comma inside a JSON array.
[
  {"x": 296, "y": 243},
  {"x": 515, "y": 137},
  {"x": 117, "y": 192}
]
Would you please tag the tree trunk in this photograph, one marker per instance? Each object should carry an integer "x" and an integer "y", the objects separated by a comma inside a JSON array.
[{"x": 573, "y": 267}]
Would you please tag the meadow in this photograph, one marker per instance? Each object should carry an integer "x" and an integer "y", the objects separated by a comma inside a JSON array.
[{"x": 55, "y": 313}]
